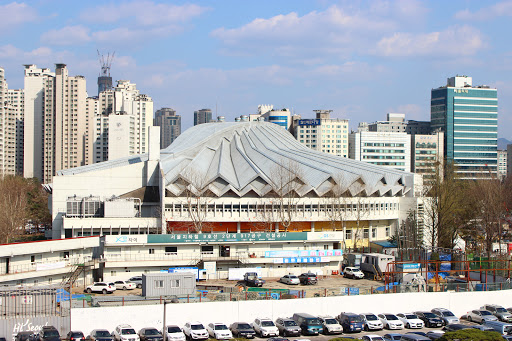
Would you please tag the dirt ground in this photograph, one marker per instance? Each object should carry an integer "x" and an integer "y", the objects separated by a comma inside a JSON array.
[{"x": 330, "y": 285}]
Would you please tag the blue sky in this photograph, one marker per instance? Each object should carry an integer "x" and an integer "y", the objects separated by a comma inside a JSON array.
[{"x": 360, "y": 58}]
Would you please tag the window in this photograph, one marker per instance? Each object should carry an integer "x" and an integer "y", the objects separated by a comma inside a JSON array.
[
  {"x": 113, "y": 273},
  {"x": 151, "y": 251},
  {"x": 374, "y": 233},
  {"x": 365, "y": 233},
  {"x": 175, "y": 283},
  {"x": 207, "y": 250},
  {"x": 171, "y": 250},
  {"x": 159, "y": 283},
  {"x": 348, "y": 234},
  {"x": 387, "y": 231}
]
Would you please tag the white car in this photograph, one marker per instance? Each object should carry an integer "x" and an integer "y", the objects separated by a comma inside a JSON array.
[
  {"x": 290, "y": 279},
  {"x": 175, "y": 333},
  {"x": 390, "y": 321},
  {"x": 195, "y": 331},
  {"x": 125, "y": 332},
  {"x": 125, "y": 285},
  {"x": 265, "y": 327},
  {"x": 372, "y": 322},
  {"x": 219, "y": 331},
  {"x": 102, "y": 287},
  {"x": 372, "y": 337},
  {"x": 410, "y": 320},
  {"x": 331, "y": 325},
  {"x": 480, "y": 316},
  {"x": 351, "y": 272}
]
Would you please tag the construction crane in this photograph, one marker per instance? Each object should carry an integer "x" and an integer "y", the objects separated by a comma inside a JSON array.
[{"x": 106, "y": 63}]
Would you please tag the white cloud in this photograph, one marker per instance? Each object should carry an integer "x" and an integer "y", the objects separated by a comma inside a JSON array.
[
  {"x": 145, "y": 13},
  {"x": 458, "y": 40},
  {"x": 137, "y": 36},
  {"x": 16, "y": 13},
  {"x": 499, "y": 9},
  {"x": 69, "y": 35}
]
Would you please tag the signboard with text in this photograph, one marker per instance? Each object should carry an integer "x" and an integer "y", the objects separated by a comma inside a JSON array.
[
  {"x": 295, "y": 260},
  {"x": 302, "y": 253},
  {"x": 225, "y": 237},
  {"x": 310, "y": 122}
]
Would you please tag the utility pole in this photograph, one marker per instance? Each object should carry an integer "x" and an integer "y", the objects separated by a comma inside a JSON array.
[{"x": 165, "y": 317}]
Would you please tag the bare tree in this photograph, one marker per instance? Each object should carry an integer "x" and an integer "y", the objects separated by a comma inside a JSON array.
[
  {"x": 13, "y": 207},
  {"x": 335, "y": 202}
]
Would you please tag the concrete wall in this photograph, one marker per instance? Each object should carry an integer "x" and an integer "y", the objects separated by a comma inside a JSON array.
[{"x": 86, "y": 319}]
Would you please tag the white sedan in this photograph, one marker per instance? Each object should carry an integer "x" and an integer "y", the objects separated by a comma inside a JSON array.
[
  {"x": 125, "y": 285},
  {"x": 410, "y": 320},
  {"x": 390, "y": 321},
  {"x": 219, "y": 331}
]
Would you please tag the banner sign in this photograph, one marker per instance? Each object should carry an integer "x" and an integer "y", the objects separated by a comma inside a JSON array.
[
  {"x": 302, "y": 253},
  {"x": 225, "y": 237},
  {"x": 310, "y": 122},
  {"x": 294, "y": 260}
]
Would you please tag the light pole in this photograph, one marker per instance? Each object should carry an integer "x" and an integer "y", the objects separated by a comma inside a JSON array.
[{"x": 165, "y": 315}]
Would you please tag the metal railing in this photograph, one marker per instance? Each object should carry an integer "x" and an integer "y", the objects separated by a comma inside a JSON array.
[{"x": 44, "y": 265}]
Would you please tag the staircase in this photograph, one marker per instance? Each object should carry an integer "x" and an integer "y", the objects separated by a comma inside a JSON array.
[{"x": 72, "y": 276}]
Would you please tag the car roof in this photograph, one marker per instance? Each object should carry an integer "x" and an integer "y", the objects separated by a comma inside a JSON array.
[
  {"x": 441, "y": 309},
  {"x": 124, "y": 326}
]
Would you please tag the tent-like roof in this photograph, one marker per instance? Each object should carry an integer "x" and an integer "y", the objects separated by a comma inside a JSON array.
[{"x": 257, "y": 158}]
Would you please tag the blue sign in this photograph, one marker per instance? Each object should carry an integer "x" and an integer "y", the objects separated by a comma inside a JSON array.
[
  {"x": 303, "y": 253},
  {"x": 350, "y": 291},
  {"x": 311, "y": 122},
  {"x": 291, "y": 260},
  {"x": 411, "y": 266}
]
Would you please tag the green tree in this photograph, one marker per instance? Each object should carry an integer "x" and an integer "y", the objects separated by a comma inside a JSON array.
[{"x": 471, "y": 334}]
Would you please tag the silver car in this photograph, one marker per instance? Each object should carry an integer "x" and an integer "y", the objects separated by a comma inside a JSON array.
[
  {"x": 287, "y": 327},
  {"x": 290, "y": 279},
  {"x": 447, "y": 316},
  {"x": 481, "y": 316},
  {"x": 501, "y": 313}
]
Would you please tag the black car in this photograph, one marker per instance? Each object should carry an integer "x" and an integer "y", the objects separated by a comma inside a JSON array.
[
  {"x": 26, "y": 336},
  {"x": 100, "y": 335},
  {"x": 49, "y": 333},
  {"x": 455, "y": 326},
  {"x": 75, "y": 336},
  {"x": 150, "y": 334},
  {"x": 277, "y": 339},
  {"x": 431, "y": 320},
  {"x": 308, "y": 278},
  {"x": 242, "y": 329}
]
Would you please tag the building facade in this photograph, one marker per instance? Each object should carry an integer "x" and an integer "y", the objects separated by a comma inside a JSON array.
[
  {"x": 16, "y": 99},
  {"x": 7, "y": 130},
  {"x": 202, "y": 116},
  {"x": 396, "y": 123},
  {"x": 502, "y": 164},
  {"x": 427, "y": 155},
  {"x": 170, "y": 125},
  {"x": 468, "y": 116},
  {"x": 387, "y": 149},
  {"x": 325, "y": 134}
]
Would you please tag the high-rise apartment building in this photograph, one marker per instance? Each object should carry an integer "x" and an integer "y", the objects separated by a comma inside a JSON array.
[
  {"x": 7, "y": 130},
  {"x": 170, "y": 125},
  {"x": 325, "y": 134},
  {"x": 387, "y": 149},
  {"x": 16, "y": 99},
  {"x": 468, "y": 116},
  {"x": 202, "y": 116},
  {"x": 502, "y": 164}
]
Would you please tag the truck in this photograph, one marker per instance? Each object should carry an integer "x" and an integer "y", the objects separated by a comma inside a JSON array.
[{"x": 251, "y": 280}]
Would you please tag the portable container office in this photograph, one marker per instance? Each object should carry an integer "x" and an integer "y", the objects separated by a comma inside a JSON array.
[{"x": 168, "y": 284}]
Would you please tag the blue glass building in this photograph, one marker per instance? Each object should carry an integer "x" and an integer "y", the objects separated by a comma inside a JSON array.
[{"x": 468, "y": 115}]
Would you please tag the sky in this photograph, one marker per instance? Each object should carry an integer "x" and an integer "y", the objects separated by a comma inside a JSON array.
[{"x": 361, "y": 59}]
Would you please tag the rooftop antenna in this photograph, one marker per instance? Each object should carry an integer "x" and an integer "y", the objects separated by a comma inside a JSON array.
[{"x": 105, "y": 63}]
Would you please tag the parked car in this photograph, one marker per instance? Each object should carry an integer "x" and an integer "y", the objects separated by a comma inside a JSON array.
[
  {"x": 137, "y": 280},
  {"x": 242, "y": 329},
  {"x": 352, "y": 272},
  {"x": 417, "y": 333},
  {"x": 372, "y": 337},
  {"x": 331, "y": 325},
  {"x": 371, "y": 322},
  {"x": 287, "y": 327},
  {"x": 503, "y": 328},
  {"x": 483, "y": 328},
  {"x": 251, "y": 279},
  {"x": 309, "y": 324},
  {"x": 430, "y": 319},
  {"x": 100, "y": 335},
  {"x": 75, "y": 336},
  {"x": 391, "y": 321},
  {"x": 308, "y": 278},
  {"x": 455, "y": 326},
  {"x": 26, "y": 336},
  {"x": 414, "y": 337},
  {"x": 290, "y": 279},
  {"x": 350, "y": 322},
  {"x": 410, "y": 320},
  {"x": 446, "y": 316},
  {"x": 125, "y": 285},
  {"x": 49, "y": 333},
  {"x": 392, "y": 337},
  {"x": 480, "y": 316},
  {"x": 219, "y": 331},
  {"x": 174, "y": 333},
  {"x": 278, "y": 339},
  {"x": 125, "y": 332},
  {"x": 195, "y": 331},
  {"x": 150, "y": 334},
  {"x": 435, "y": 334},
  {"x": 265, "y": 327},
  {"x": 497, "y": 310},
  {"x": 102, "y": 287}
]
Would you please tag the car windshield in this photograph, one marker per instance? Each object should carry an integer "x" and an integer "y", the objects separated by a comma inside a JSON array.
[
  {"x": 267, "y": 323},
  {"x": 391, "y": 317},
  {"x": 244, "y": 326},
  {"x": 507, "y": 330},
  {"x": 293, "y": 277},
  {"x": 314, "y": 322},
  {"x": 411, "y": 317},
  {"x": 311, "y": 275},
  {"x": 485, "y": 313},
  {"x": 501, "y": 310},
  {"x": 371, "y": 317},
  {"x": 173, "y": 329},
  {"x": 51, "y": 333},
  {"x": 429, "y": 315},
  {"x": 397, "y": 337},
  {"x": 196, "y": 326},
  {"x": 220, "y": 327},
  {"x": 128, "y": 331},
  {"x": 355, "y": 319},
  {"x": 151, "y": 332},
  {"x": 289, "y": 323},
  {"x": 377, "y": 338},
  {"x": 331, "y": 321},
  {"x": 102, "y": 333},
  {"x": 447, "y": 313},
  {"x": 77, "y": 334}
]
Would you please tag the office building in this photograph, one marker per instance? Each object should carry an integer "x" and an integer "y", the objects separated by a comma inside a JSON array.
[
  {"x": 387, "y": 149},
  {"x": 202, "y": 116},
  {"x": 502, "y": 164},
  {"x": 325, "y": 134},
  {"x": 170, "y": 125},
  {"x": 427, "y": 155},
  {"x": 509, "y": 159},
  {"x": 396, "y": 123},
  {"x": 468, "y": 116}
]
